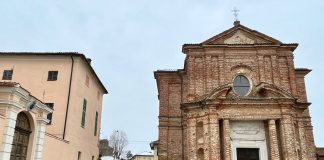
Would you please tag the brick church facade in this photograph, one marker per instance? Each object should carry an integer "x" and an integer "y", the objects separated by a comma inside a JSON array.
[{"x": 238, "y": 97}]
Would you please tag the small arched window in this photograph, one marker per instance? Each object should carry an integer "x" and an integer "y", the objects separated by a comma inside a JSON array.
[
  {"x": 241, "y": 85},
  {"x": 200, "y": 154}
]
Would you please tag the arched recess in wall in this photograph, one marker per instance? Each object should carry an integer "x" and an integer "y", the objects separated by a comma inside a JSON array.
[
  {"x": 199, "y": 133},
  {"x": 21, "y": 144},
  {"x": 200, "y": 154}
]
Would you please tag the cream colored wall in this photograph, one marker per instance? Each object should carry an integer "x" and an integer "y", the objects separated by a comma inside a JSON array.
[
  {"x": 32, "y": 71},
  {"x": 59, "y": 149},
  {"x": 80, "y": 91},
  {"x": 140, "y": 157}
]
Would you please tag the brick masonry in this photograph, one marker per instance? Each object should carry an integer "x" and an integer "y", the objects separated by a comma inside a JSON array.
[{"x": 202, "y": 93}]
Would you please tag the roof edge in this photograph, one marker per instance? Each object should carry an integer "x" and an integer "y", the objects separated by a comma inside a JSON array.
[{"x": 77, "y": 54}]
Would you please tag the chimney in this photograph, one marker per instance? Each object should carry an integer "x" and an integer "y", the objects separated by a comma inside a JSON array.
[{"x": 89, "y": 60}]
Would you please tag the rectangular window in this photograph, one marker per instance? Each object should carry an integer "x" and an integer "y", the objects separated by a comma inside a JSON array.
[
  {"x": 96, "y": 124},
  {"x": 92, "y": 158},
  {"x": 84, "y": 110},
  {"x": 52, "y": 75},
  {"x": 79, "y": 155},
  {"x": 50, "y": 115},
  {"x": 7, "y": 75}
]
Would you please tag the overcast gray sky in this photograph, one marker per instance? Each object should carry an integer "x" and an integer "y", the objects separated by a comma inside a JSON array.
[{"x": 129, "y": 39}]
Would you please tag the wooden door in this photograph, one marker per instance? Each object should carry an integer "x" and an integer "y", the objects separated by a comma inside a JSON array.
[{"x": 21, "y": 138}]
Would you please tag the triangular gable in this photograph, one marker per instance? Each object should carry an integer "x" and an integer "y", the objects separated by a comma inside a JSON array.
[{"x": 240, "y": 34}]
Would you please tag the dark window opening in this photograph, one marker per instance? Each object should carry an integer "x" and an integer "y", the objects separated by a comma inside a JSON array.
[
  {"x": 241, "y": 85},
  {"x": 52, "y": 75},
  {"x": 50, "y": 115},
  {"x": 79, "y": 155},
  {"x": 84, "y": 110},
  {"x": 7, "y": 75},
  {"x": 96, "y": 124},
  {"x": 248, "y": 154}
]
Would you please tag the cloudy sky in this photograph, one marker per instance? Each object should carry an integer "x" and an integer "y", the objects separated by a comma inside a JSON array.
[{"x": 129, "y": 39}]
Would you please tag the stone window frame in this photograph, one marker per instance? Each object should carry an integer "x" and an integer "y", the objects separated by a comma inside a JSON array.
[{"x": 250, "y": 83}]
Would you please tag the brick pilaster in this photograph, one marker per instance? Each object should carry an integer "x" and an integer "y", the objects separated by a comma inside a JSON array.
[
  {"x": 192, "y": 145},
  {"x": 214, "y": 138},
  {"x": 273, "y": 141},
  {"x": 206, "y": 138},
  {"x": 292, "y": 75},
  {"x": 289, "y": 143},
  {"x": 191, "y": 69},
  {"x": 261, "y": 68},
  {"x": 303, "y": 147},
  {"x": 227, "y": 140}
]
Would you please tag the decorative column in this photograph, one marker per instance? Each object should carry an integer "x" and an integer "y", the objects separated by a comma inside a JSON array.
[
  {"x": 9, "y": 131},
  {"x": 221, "y": 63},
  {"x": 214, "y": 138},
  {"x": 40, "y": 134},
  {"x": 292, "y": 75},
  {"x": 191, "y": 139},
  {"x": 227, "y": 140},
  {"x": 206, "y": 138},
  {"x": 273, "y": 140},
  {"x": 261, "y": 68},
  {"x": 303, "y": 147},
  {"x": 275, "y": 73},
  {"x": 191, "y": 81},
  {"x": 289, "y": 152}
]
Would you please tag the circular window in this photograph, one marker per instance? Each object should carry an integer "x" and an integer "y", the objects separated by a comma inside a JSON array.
[{"x": 241, "y": 85}]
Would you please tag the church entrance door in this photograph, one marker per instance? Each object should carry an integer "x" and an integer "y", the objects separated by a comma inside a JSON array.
[
  {"x": 247, "y": 153},
  {"x": 21, "y": 138}
]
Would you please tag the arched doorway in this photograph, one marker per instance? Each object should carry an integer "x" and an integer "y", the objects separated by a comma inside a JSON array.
[{"x": 21, "y": 138}]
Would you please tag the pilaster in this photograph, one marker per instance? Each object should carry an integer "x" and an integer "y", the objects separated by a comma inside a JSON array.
[
  {"x": 302, "y": 139},
  {"x": 8, "y": 134},
  {"x": 273, "y": 140},
  {"x": 192, "y": 145},
  {"x": 214, "y": 138},
  {"x": 40, "y": 134},
  {"x": 227, "y": 140},
  {"x": 288, "y": 138}
]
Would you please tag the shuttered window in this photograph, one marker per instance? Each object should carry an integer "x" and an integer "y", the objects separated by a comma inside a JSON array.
[
  {"x": 96, "y": 124},
  {"x": 84, "y": 110}
]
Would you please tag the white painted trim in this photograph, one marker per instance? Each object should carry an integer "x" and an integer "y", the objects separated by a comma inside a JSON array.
[{"x": 248, "y": 134}]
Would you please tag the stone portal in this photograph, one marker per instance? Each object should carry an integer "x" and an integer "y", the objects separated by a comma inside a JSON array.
[{"x": 248, "y": 140}]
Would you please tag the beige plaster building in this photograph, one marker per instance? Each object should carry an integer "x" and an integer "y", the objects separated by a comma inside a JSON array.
[
  {"x": 238, "y": 97},
  {"x": 67, "y": 95},
  {"x": 143, "y": 156}
]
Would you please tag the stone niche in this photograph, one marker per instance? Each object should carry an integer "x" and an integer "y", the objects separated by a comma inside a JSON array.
[{"x": 248, "y": 136}]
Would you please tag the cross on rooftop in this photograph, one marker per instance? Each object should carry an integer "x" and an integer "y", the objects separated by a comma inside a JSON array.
[{"x": 235, "y": 12}]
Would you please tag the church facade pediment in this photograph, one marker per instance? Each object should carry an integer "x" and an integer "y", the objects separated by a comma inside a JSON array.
[{"x": 239, "y": 35}]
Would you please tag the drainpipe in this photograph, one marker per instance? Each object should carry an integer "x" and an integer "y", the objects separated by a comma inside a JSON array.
[{"x": 68, "y": 100}]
